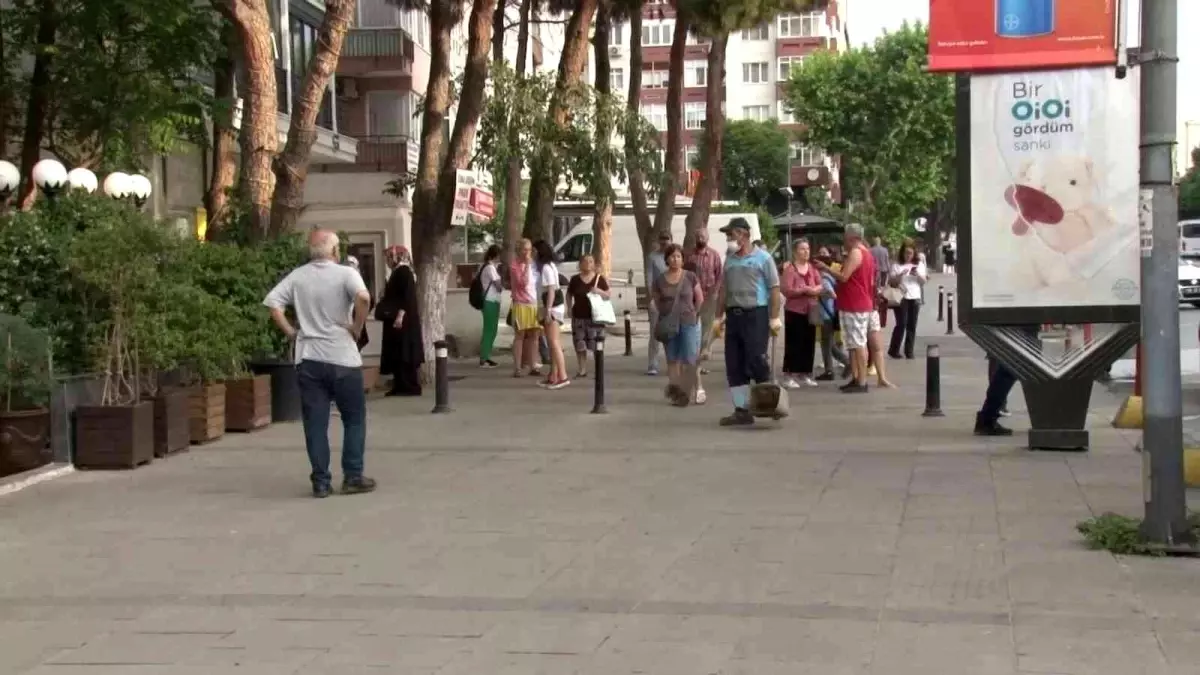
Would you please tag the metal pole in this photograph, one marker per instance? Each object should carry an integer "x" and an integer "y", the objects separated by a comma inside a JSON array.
[
  {"x": 1162, "y": 433},
  {"x": 598, "y": 407},
  {"x": 933, "y": 382},
  {"x": 941, "y": 303},
  {"x": 628, "y": 335},
  {"x": 441, "y": 377},
  {"x": 950, "y": 313},
  {"x": 1137, "y": 371}
]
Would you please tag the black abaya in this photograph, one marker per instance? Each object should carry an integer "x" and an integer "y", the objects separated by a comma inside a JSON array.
[{"x": 403, "y": 350}]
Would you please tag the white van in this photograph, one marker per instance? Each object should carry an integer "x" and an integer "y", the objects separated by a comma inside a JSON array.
[
  {"x": 1189, "y": 238},
  {"x": 626, "y": 251}
]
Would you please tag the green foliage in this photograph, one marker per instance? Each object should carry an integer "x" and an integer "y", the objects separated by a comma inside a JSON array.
[
  {"x": 1189, "y": 187},
  {"x": 1122, "y": 535},
  {"x": 713, "y": 17},
  {"x": 124, "y": 76},
  {"x": 755, "y": 158},
  {"x": 24, "y": 365},
  {"x": 891, "y": 123}
]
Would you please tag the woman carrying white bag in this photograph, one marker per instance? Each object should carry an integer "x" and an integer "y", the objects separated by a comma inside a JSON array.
[{"x": 589, "y": 308}]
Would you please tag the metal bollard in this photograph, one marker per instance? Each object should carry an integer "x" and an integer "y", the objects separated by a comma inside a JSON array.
[
  {"x": 941, "y": 303},
  {"x": 598, "y": 407},
  {"x": 933, "y": 382},
  {"x": 950, "y": 314},
  {"x": 441, "y": 377},
  {"x": 628, "y": 335}
]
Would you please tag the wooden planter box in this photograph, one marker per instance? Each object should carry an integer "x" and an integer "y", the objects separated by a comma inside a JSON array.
[
  {"x": 370, "y": 378},
  {"x": 248, "y": 403},
  {"x": 114, "y": 437},
  {"x": 206, "y": 412},
  {"x": 172, "y": 426},
  {"x": 24, "y": 440}
]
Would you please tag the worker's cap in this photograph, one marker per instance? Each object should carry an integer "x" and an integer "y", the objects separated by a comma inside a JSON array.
[{"x": 736, "y": 224}]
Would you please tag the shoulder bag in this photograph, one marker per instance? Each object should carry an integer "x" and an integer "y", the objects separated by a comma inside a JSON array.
[
  {"x": 602, "y": 310},
  {"x": 668, "y": 326}
]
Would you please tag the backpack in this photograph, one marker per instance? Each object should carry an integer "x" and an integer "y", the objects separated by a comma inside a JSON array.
[{"x": 475, "y": 294}]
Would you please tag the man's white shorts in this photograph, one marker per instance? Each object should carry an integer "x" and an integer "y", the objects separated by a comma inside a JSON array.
[{"x": 856, "y": 326}]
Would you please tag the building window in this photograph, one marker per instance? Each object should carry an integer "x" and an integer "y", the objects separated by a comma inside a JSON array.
[
  {"x": 762, "y": 32},
  {"x": 654, "y": 79},
  {"x": 616, "y": 79},
  {"x": 756, "y": 73},
  {"x": 758, "y": 113},
  {"x": 658, "y": 35},
  {"x": 656, "y": 115},
  {"x": 695, "y": 73},
  {"x": 389, "y": 113},
  {"x": 800, "y": 25},
  {"x": 785, "y": 113},
  {"x": 787, "y": 65},
  {"x": 616, "y": 35},
  {"x": 806, "y": 155},
  {"x": 694, "y": 115},
  {"x": 378, "y": 14},
  {"x": 691, "y": 157}
]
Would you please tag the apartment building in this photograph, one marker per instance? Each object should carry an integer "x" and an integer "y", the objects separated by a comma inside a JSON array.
[{"x": 758, "y": 63}]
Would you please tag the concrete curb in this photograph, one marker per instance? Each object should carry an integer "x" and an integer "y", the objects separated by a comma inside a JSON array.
[{"x": 13, "y": 484}]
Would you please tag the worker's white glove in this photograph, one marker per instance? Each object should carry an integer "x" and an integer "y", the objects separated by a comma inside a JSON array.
[{"x": 776, "y": 327}]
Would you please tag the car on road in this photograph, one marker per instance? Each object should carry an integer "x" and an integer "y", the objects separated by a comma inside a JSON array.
[{"x": 1189, "y": 281}]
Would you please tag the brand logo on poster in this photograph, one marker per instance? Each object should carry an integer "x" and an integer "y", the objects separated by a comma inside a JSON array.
[
  {"x": 1054, "y": 189},
  {"x": 981, "y": 35}
]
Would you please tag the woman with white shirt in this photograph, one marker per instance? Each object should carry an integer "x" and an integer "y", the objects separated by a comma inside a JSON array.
[
  {"x": 552, "y": 313},
  {"x": 493, "y": 288},
  {"x": 908, "y": 274}
]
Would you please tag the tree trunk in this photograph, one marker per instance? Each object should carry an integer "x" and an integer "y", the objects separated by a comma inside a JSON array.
[
  {"x": 539, "y": 214},
  {"x": 665, "y": 212},
  {"x": 498, "y": 34},
  {"x": 637, "y": 177},
  {"x": 224, "y": 157},
  {"x": 714, "y": 131},
  {"x": 39, "y": 102},
  {"x": 291, "y": 168},
  {"x": 432, "y": 214},
  {"x": 512, "y": 178},
  {"x": 602, "y": 217},
  {"x": 259, "y": 100},
  {"x": 7, "y": 100}
]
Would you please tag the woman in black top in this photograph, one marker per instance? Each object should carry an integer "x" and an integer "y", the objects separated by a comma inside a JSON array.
[{"x": 584, "y": 331}]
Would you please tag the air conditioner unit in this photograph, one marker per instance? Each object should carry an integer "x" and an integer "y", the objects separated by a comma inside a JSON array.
[
  {"x": 347, "y": 88},
  {"x": 614, "y": 51}
]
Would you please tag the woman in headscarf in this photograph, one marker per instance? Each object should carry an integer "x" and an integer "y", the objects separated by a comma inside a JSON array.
[{"x": 403, "y": 349}]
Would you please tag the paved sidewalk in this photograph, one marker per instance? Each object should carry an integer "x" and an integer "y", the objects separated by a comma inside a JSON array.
[{"x": 522, "y": 535}]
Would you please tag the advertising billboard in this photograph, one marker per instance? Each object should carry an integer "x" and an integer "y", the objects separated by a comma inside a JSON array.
[
  {"x": 982, "y": 35},
  {"x": 1054, "y": 190}
]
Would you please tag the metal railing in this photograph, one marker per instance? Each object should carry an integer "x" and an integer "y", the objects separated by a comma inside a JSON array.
[
  {"x": 384, "y": 153},
  {"x": 377, "y": 42}
]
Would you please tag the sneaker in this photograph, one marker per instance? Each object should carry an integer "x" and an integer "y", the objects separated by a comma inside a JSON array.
[
  {"x": 488, "y": 363},
  {"x": 535, "y": 371},
  {"x": 808, "y": 382},
  {"x": 826, "y": 376},
  {"x": 652, "y": 371},
  {"x": 1004, "y": 412},
  {"x": 740, "y": 418},
  {"x": 894, "y": 355},
  {"x": 790, "y": 383},
  {"x": 871, "y": 372},
  {"x": 358, "y": 486},
  {"x": 855, "y": 388},
  {"x": 321, "y": 491},
  {"x": 558, "y": 385},
  {"x": 992, "y": 429},
  {"x": 848, "y": 385},
  {"x": 701, "y": 397}
]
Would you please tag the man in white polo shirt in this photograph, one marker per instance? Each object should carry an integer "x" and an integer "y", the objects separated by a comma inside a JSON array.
[{"x": 331, "y": 304}]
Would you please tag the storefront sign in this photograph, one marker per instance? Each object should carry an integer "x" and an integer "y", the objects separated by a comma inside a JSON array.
[
  {"x": 1054, "y": 189},
  {"x": 980, "y": 35}
]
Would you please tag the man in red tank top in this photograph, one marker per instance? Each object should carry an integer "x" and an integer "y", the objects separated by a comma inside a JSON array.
[{"x": 856, "y": 292}]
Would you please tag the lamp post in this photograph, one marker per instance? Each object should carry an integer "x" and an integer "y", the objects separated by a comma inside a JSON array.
[
  {"x": 82, "y": 179},
  {"x": 139, "y": 189},
  {"x": 50, "y": 176},
  {"x": 10, "y": 178},
  {"x": 116, "y": 185}
]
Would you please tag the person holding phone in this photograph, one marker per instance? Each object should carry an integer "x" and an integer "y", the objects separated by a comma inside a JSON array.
[{"x": 908, "y": 274}]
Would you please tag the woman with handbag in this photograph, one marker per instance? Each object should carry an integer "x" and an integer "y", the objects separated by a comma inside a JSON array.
[
  {"x": 523, "y": 280},
  {"x": 801, "y": 288},
  {"x": 585, "y": 332},
  {"x": 906, "y": 278},
  {"x": 677, "y": 297}
]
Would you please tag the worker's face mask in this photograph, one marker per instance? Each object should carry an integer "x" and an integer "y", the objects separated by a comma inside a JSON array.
[{"x": 733, "y": 246}]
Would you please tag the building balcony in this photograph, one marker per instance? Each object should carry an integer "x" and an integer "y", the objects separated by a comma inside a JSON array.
[
  {"x": 377, "y": 51},
  {"x": 380, "y": 154}
]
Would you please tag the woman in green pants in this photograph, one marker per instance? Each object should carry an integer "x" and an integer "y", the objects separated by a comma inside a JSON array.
[{"x": 489, "y": 276}]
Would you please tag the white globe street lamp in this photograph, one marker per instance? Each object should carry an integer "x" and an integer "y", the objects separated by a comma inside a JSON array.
[
  {"x": 116, "y": 185},
  {"x": 82, "y": 179},
  {"x": 139, "y": 188},
  {"x": 10, "y": 178},
  {"x": 50, "y": 176}
]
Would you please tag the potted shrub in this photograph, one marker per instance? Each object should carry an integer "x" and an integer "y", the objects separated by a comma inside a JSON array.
[
  {"x": 213, "y": 355},
  {"x": 118, "y": 257},
  {"x": 248, "y": 403},
  {"x": 271, "y": 353},
  {"x": 24, "y": 395},
  {"x": 165, "y": 328}
]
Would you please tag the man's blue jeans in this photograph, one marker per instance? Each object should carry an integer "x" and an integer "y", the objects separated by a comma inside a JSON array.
[
  {"x": 322, "y": 384},
  {"x": 1000, "y": 383}
]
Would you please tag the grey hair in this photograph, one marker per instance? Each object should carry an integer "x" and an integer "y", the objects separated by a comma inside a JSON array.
[
  {"x": 855, "y": 230},
  {"x": 323, "y": 245}
]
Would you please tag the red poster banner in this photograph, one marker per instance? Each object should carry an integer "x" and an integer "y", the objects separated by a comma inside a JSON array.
[{"x": 982, "y": 35}]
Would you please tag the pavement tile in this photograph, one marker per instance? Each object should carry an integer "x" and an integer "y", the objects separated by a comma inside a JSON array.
[
  {"x": 829, "y": 643},
  {"x": 907, "y": 648},
  {"x": 1082, "y": 651}
]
